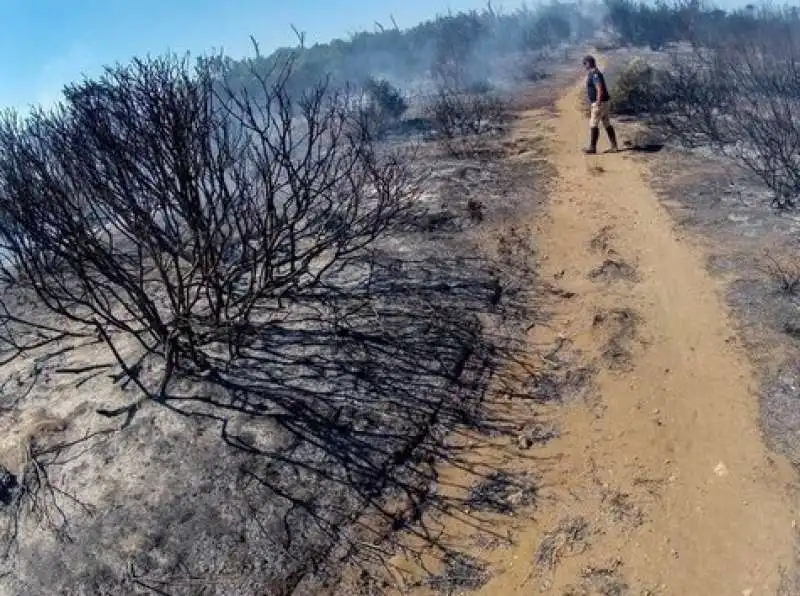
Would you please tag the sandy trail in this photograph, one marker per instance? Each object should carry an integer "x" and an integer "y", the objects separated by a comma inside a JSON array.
[
  {"x": 684, "y": 410},
  {"x": 666, "y": 466}
]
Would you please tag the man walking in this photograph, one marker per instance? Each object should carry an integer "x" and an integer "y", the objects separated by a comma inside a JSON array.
[{"x": 599, "y": 98}]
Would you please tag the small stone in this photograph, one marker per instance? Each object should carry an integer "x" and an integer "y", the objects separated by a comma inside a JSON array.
[
  {"x": 516, "y": 499},
  {"x": 656, "y": 411},
  {"x": 747, "y": 592},
  {"x": 721, "y": 470},
  {"x": 792, "y": 327},
  {"x": 524, "y": 442},
  {"x": 8, "y": 482}
]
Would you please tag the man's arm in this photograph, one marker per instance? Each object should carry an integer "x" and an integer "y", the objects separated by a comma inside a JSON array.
[{"x": 601, "y": 88}]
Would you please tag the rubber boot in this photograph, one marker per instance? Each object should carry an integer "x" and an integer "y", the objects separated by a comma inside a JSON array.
[
  {"x": 595, "y": 136},
  {"x": 612, "y": 136}
]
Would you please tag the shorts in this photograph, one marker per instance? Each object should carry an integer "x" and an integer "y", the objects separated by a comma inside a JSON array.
[{"x": 599, "y": 115}]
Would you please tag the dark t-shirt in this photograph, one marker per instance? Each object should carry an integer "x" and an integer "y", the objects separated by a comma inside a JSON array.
[{"x": 596, "y": 77}]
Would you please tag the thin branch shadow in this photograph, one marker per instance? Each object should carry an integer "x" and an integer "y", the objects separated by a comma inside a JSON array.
[
  {"x": 365, "y": 385},
  {"x": 334, "y": 421}
]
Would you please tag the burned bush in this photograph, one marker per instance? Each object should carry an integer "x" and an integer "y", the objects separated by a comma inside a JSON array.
[
  {"x": 385, "y": 106},
  {"x": 249, "y": 248},
  {"x": 161, "y": 204},
  {"x": 740, "y": 94},
  {"x": 646, "y": 25},
  {"x": 463, "y": 106},
  {"x": 461, "y": 113}
]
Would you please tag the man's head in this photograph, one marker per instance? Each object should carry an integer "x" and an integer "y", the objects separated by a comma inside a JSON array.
[{"x": 589, "y": 62}]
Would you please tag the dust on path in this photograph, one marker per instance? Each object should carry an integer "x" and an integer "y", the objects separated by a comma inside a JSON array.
[{"x": 661, "y": 485}]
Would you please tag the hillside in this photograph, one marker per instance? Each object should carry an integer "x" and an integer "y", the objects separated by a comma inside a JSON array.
[{"x": 361, "y": 318}]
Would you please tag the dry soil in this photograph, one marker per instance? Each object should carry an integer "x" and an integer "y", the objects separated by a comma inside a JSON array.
[{"x": 658, "y": 481}]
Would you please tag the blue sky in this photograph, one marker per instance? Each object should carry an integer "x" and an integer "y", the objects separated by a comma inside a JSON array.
[{"x": 47, "y": 43}]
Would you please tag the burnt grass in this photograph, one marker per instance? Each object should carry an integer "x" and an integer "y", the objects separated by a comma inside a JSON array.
[
  {"x": 459, "y": 572},
  {"x": 612, "y": 270},
  {"x": 304, "y": 459},
  {"x": 569, "y": 537},
  {"x": 601, "y": 580},
  {"x": 500, "y": 492},
  {"x": 619, "y": 326}
]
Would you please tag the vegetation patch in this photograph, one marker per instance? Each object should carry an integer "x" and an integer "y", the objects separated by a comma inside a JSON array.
[{"x": 500, "y": 492}]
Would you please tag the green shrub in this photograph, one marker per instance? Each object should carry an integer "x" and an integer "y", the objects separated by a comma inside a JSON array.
[
  {"x": 386, "y": 106},
  {"x": 635, "y": 90},
  {"x": 385, "y": 98}
]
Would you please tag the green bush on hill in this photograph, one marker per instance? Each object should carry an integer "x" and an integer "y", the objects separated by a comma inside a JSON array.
[{"x": 636, "y": 89}]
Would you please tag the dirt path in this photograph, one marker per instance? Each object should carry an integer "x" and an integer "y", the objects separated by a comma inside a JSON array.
[{"x": 660, "y": 484}]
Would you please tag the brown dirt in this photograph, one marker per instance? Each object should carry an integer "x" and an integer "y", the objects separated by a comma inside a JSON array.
[{"x": 658, "y": 482}]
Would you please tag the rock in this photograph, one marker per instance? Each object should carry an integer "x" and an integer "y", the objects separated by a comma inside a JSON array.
[
  {"x": 721, "y": 470},
  {"x": 524, "y": 441},
  {"x": 792, "y": 327},
  {"x": 516, "y": 499},
  {"x": 8, "y": 482}
]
